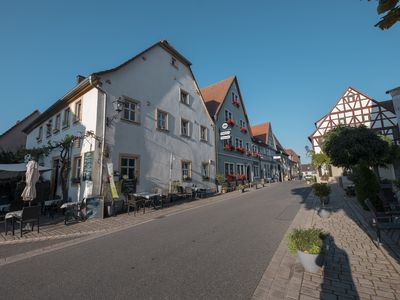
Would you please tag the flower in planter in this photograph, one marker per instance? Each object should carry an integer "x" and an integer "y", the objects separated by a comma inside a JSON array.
[
  {"x": 243, "y": 129},
  {"x": 310, "y": 240},
  {"x": 230, "y": 122}
]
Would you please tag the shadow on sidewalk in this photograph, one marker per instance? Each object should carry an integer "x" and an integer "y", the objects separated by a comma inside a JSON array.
[{"x": 337, "y": 276}]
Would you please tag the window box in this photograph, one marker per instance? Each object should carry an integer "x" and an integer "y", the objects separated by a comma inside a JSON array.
[
  {"x": 249, "y": 153},
  {"x": 236, "y": 103},
  {"x": 230, "y": 177},
  {"x": 230, "y": 122},
  {"x": 243, "y": 129},
  {"x": 240, "y": 149},
  {"x": 228, "y": 147}
]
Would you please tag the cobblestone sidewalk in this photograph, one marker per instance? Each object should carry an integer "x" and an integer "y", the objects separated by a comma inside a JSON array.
[{"x": 354, "y": 267}]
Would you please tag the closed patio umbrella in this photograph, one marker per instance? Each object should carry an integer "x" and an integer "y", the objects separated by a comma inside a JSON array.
[{"x": 32, "y": 176}]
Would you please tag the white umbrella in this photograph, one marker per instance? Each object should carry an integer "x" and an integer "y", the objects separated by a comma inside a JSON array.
[{"x": 32, "y": 176}]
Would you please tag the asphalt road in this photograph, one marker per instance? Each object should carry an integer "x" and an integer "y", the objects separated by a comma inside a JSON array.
[{"x": 218, "y": 251}]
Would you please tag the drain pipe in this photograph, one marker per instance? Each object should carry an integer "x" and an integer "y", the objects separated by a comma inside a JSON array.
[{"x": 103, "y": 129}]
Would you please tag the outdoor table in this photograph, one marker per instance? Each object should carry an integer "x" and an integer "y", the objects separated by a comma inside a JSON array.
[
  {"x": 11, "y": 216},
  {"x": 72, "y": 210},
  {"x": 49, "y": 204},
  {"x": 149, "y": 197}
]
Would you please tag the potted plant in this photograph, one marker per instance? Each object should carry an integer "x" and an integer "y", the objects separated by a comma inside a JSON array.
[
  {"x": 242, "y": 188},
  {"x": 224, "y": 188},
  {"x": 220, "y": 179},
  {"x": 322, "y": 191},
  {"x": 308, "y": 244}
]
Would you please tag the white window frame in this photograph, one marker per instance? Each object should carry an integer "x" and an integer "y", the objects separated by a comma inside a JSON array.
[
  {"x": 57, "y": 123},
  {"x": 183, "y": 133},
  {"x": 205, "y": 170},
  {"x": 186, "y": 171},
  {"x": 78, "y": 111},
  {"x": 49, "y": 127},
  {"x": 231, "y": 168},
  {"x": 186, "y": 99},
  {"x": 205, "y": 137},
  {"x": 77, "y": 167},
  {"x": 135, "y": 111},
  {"x": 228, "y": 115},
  {"x": 66, "y": 118},
  {"x": 40, "y": 134},
  {"x": 165, "y": 121}
]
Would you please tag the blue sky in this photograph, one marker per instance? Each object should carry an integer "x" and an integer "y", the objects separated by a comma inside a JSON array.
[{"x": 293, "y": 59}]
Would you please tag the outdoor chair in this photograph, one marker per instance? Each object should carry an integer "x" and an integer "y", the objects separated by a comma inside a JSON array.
[
  {"x": 30, "y": 214},
  {"x": 132, "y": 201}
]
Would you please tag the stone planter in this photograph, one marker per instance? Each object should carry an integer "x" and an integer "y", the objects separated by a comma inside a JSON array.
[
  {"x": 311, "y": 262},
  {"x": 324, "y": 213},
  {"x": 219, "y": 189}
]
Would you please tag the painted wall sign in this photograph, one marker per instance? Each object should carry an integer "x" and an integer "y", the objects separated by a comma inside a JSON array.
[{"x": 87, "y": 165}]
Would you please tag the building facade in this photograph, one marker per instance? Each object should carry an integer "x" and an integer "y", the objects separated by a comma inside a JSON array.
[
  {"x": 355, "y": 109},
  {"x": 143, "y": 120},
  {"x": 237, "y": 157}
]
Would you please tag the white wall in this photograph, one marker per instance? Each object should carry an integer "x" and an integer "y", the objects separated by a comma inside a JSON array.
[
  {"x": 155, "y": 83},
  {"x": 88, "y": 123}
]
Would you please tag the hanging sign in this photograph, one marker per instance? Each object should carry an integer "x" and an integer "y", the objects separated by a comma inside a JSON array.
[
  {"x": 224, "y": 137},
  {"x": 225, "y": 126},
  {"x": 228, "y": 132},
  {"x": 87, "y": 166},
  {"x": 114, "y": 192}
]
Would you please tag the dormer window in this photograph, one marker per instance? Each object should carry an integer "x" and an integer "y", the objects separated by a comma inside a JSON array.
[{"x": 40, "y": 134}]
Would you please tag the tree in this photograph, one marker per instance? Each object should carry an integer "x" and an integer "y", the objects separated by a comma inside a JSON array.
[
  {"x": 349, "y": 146},
  {"x": 391, "y": 9}
]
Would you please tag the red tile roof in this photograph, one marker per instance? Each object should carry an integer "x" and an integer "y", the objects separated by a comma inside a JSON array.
[
  {"x": 215, "y": 94},
  {"x": 294, "y": 156},
  {"x": 261, "y": 131}
]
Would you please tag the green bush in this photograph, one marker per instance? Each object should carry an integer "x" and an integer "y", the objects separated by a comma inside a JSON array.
[
  {"x": 309, "y": 240},
  {"x": 220, "y": 179},
  {"x": 366, "y": 185},
  {"x": 321, "y": 190}
]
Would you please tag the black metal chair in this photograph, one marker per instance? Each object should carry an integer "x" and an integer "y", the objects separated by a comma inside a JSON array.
[
  {"x": 30, "y": 214},
  {"x": 132, "y": 201}
]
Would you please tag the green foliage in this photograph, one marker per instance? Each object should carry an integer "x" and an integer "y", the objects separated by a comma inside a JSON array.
[
  {"x": 220, "y": 179},
  {"x": 366, "y": 185},
  {"x": 320, "y": 159},
  {"x": 349, "y": 146},
  {"x": 8, "y": 157},
  {"x": 391, "y": 9},
  {"x": 309, "y": 240},
  {"x": 321, "y": 190}
]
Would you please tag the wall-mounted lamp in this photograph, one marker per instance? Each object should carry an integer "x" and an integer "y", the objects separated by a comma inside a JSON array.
[{"x": 118, "y": 106}]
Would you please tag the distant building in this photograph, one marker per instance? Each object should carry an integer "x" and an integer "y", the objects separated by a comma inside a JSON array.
[
  {"x": 294, "y": 158},
  {"x": 308, "y": 169},
  {"x": 354, "y": 109},
  {"x": 14, "y": 138}
]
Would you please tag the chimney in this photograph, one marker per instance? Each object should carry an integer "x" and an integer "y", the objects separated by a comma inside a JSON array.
[{"x": 79, "y": 78}]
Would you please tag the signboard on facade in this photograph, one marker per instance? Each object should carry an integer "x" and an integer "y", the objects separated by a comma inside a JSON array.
[
  {"x": 227, "y": 132},
  {"x": 225, "y": 126},
  {"x": 224, "y": 137},
  {"x": 87, "y": 165},
  {"x": 276, "y": 157}
]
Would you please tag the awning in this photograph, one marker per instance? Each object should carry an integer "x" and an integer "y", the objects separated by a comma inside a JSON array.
[{"x": 14, "y": 170}]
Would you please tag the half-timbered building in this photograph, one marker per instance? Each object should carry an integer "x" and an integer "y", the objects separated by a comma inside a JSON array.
[{"x": 354, "y": 109}]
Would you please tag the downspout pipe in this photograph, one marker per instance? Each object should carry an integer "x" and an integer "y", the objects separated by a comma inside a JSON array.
[{"x": 103, "y": 129}]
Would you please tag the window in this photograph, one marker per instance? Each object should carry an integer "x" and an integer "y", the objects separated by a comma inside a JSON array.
[
  {"x": 228, "y": 115},
  {"x": 49, "y": 126},
  {"x": 242, "y": 124},
  {"x": 77, "y": 168},
  {"x": 65, "y": 123},
  {"x": 129, "y": 166},
  {"x": 131, "y": 111},
  {"x": 240, "y": 143},
  {"x": 240, "y": 169},
  {"x": 205, "y": 170},
  {"x": 184, "y": 97},
  {"x": 40, "y": 134},
  {"x": 185, "y": 127},
  {"x": 203, "y": 134},
  {"x": 173, "y": 62},
  {"x": 78, "y": 111},
  {"x": 186, "y": 170},
  {"x": 57, "y": 123},
  {"x": 229, "y": 168},
  {"x": 256, "y": 171},
  {"x": 162, "y": 120},
  {"x": 247, "y": 147},
  {"x": 236, "y": 142}
]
